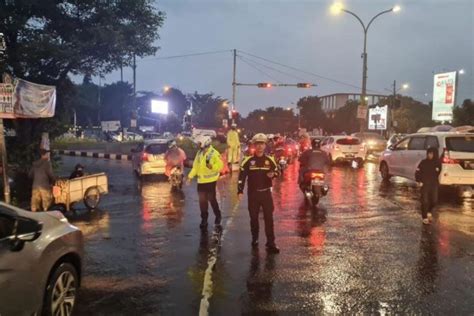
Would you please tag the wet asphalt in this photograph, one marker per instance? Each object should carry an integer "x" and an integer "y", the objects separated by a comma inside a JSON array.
[{"x": 364, "y": 251}]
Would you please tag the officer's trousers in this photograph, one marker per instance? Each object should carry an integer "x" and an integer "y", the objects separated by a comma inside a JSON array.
[{"x": 262, "y": 200}]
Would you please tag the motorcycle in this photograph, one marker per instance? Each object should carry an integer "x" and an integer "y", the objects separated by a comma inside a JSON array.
[
  {"x": 281, "y": 158},
  {"x": 314, "y": 187},
  {"x": 176, "y": 178}
]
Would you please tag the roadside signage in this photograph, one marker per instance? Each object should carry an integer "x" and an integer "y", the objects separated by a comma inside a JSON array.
[
  {"x": 444, "y": 93},
  {"x": 6, "y": 101},
  {"x": 378, "y": 118},
  {"x": 362, "y": 112}
]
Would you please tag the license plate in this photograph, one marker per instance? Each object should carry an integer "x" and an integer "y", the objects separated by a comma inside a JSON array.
[{"x": 317, "y": 182}]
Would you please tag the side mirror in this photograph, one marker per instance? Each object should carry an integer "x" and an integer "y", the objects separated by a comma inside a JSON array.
[{"x": 27, "y": 229}]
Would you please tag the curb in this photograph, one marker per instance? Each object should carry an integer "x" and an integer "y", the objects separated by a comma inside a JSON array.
[{"x": 93, "y": 154}]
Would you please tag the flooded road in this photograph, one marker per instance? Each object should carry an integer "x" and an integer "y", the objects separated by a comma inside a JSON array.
[{"x": 365, "y": 250}]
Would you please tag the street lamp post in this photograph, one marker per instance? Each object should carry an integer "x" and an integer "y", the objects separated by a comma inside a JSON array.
[{"x": 337, "y": 8}]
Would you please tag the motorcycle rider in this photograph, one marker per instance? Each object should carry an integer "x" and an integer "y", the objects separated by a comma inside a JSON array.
[
  {"x": 313, "y": 159},
  {"x": 259, "y": 169},
  {"x": 233, "y": 146},
  {"x": 174, "y": 157},
  {"x": 207, "y": 167}
]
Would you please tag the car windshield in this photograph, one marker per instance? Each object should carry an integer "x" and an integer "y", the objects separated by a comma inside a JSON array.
[
  {"x": 156, "y": 149},
  {"x": 348, "y": 141},
  {"x": 463, "y": 144}
]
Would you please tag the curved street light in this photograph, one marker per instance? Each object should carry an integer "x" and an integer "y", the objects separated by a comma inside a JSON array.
[{"x": 338, "y": 8}]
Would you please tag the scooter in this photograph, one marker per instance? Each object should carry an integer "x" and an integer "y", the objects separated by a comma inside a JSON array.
[
  {"x": 281, "y": 159},
  {"x": 314, "y": 187},
  {"x": 176, "y": 178}
]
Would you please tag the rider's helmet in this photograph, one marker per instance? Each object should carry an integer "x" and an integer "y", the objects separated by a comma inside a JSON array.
[
  {"x": 259, "y": 138},
  {"x": 172, "y": 144},
  {"x": 316, "y": 143},
  {"x": 203, "y": 141}
]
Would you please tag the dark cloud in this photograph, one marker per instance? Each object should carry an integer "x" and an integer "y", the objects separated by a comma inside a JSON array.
[{"x": 426, "y": 36}]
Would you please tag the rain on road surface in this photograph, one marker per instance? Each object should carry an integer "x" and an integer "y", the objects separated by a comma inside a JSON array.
[{"x": 364, "y": 251}]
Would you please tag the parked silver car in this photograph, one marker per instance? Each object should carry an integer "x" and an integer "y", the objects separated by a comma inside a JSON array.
[{"x": 40, "y": 262}]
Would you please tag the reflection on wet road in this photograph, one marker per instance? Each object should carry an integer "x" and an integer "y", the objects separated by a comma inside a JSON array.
[{"x": 364, "y": 251}]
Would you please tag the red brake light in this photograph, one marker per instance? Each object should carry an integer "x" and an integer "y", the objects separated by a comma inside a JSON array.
[
  {"x": 447, "y": 160},
  {"x": 144, "y": 157}
]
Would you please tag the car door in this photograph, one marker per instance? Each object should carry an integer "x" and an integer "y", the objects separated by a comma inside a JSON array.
[
  {"x": 415, "y": 154},
  {"x": 396, "y": 157},
  {"x": 18, "y": 288}
]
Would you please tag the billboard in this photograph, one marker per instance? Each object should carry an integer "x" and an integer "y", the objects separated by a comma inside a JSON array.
[
  {"x": 159, "y": 107},
  {"x": 378, "y": 118},
  {"x": 444, "y": 92}
]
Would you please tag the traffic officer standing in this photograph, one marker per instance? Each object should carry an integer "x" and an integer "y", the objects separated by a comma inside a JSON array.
[
  {"x": 207, "y": 167},
  {"x": 233, "y": 146},
  {"x": 260, "y": 170}
]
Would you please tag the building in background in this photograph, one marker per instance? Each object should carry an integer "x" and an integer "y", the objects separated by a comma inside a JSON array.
[{"x": 332, "y": 102}]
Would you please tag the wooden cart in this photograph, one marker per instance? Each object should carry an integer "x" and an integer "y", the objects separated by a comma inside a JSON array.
[{"x": 88, "y": 189}]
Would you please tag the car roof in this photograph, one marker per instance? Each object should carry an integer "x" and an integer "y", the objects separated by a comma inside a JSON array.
[
  {"x": 442, "y": 134},
  {"x": 342, "y": 136},
  {"x": 157, "y": 141}
]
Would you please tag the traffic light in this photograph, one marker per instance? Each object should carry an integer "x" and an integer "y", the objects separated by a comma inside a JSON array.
[
  {"x": 264, "y": 85},
  {"x": 304, "y": 85},
  {"x": 235, "y": 114}
]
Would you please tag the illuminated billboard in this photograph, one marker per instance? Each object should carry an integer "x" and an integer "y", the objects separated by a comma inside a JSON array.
[
  {"x": 444, "y": 93},
  {"x": 159, "y": 107}
]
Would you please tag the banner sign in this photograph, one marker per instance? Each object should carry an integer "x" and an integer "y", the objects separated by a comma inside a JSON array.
[
  {"x": 27, "y": 100},
  {"x": 6, "y": 100},
  {"x": 444, "y": 92},
  {"x": 378, "y": 118}
]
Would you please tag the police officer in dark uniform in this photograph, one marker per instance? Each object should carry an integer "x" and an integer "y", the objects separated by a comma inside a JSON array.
[{"x": 260, "y": 170}]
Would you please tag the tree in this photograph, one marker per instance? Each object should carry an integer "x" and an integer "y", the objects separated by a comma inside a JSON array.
[
  {"x": 116, "y": 103},
  {"x": 345, "y": 119},
  {"x": 271, "y": 120},
  {"x": 209, "y": 110},
  {"x": 464, "y": 114},
  {"x": 412, "y": 115},
  {"x": 312, "y": 115},
  {"x": 50, "y": 39}
]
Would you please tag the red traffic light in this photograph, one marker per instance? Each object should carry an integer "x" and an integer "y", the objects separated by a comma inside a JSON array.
[
  {"x": 304, "y": 85},
  {"x": 264, "y": 85}
]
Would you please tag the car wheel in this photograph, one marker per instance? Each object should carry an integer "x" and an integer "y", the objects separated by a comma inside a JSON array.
[
  {"x": 61, "y": 291},
  {"x": 384, "y": 172},
  {"x": 92, "y": 198}
]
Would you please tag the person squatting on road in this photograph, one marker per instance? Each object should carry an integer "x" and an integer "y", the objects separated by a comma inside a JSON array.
[
  {"x": 427, "y": 175},
  {"x": 78, "y": 172},
  {"x": 174, "y": 157},
  {"x": 233, "y": 146},
  {"x": 207, "y": 167},
  {"x": 260, "y": 170},
  {"x": 43, "y": 179}
]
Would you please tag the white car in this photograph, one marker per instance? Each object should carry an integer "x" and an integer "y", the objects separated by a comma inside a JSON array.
[
  {"x": 456, "y": 151},
  {"x": 149, "y": 157},
  {"x": 344, "y": 148}
]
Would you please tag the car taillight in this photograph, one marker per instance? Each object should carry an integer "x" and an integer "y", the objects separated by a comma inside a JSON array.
[
  {"x": 144, "y": 157},
  {"x": 447, "y": 160}
]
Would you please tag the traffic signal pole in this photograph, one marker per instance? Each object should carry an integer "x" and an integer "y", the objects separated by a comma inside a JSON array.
[{"x": 234, "y": 84}]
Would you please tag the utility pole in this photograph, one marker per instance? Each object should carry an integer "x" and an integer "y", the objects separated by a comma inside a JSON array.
[
  {"x": 134, "y": 76},
  {"x": 234, "y": 83},
  {"x": 3, "y": 147},
  {"x": 121, "y": 72}
]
